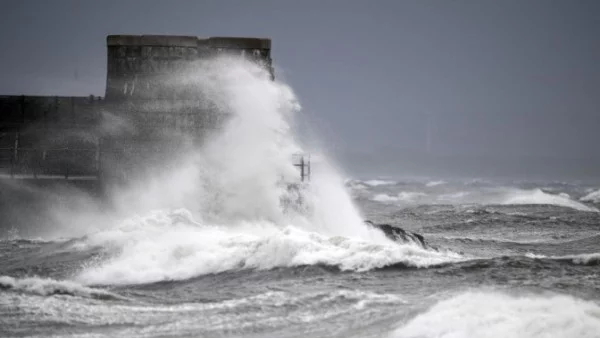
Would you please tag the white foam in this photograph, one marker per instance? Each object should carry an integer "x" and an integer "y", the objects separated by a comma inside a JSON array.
[
  {"x": 456, "y": 197},
  {"x": 492, "y": 314},
  {"x": 496, "y": 195},
  {"x": 403, "y": 196},
  {"x": 384, "y": 198},
  {"x": 376, "y": 183},
  {"x": 581, "y": 259},
  {"x": 593, "y": 196},
  {"x": 435, "y": 183},
  {"x": 49, "y": 287},
  {"x": 260, "y": 312},
  {"x": 537, "y": 196},
  {"x": 171, "y": 246}
]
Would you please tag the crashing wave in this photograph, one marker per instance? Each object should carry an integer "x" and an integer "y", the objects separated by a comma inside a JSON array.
[
  {"x": 493, "y": 314},
  {"x": 157, "y": 248},
  {"x": 537, "y": 196},
  {"x": 593, "y": 197}
]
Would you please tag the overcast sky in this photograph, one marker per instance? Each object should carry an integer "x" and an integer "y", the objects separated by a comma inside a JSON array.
[{"x": 517, "y": 79}]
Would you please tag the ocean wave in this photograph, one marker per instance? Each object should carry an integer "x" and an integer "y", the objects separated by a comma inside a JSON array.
[
  {"x": 492, "y": 240},
  {"x": 548, "y": 238},
  {"x": 403, "y": 196},
  {"x": 513, "y": 196},
  {"x": 50, "y": 287},
  {"x": 459, "y": 196},
  {"x": 494, "y": 314},
  {"x": 435, "y": 183},
  {"x": 256, "y": 314},
  {"x": 376, "y": 183},
  {"x": 355, "y": 298},
  {"x": 593, "y": 197},
  {"x": 491, "y": 196},
  {"x": 537, "y": 196},
  {"x": 158, "y": 249},
  {"x": 581, "y": 259}
]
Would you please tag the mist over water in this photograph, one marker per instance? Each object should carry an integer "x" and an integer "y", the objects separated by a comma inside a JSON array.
[
  {"x": 225, "y": 240},
  {"x": 235, "y": 202},
  {"x": 244, "y": 168}
]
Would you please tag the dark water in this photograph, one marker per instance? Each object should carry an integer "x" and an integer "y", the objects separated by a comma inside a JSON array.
[{"x": 511, "y": 260}]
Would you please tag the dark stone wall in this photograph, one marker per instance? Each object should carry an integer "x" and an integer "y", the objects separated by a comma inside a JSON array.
[
  {"x": 141, "y": 120},
  {"x": 143, "y": 87},
  {"x": 43, "y": 137},
  {"x": 139, "y": 66}
]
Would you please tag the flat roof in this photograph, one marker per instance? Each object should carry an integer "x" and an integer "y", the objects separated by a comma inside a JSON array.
[{"x": 188, "y": 41}]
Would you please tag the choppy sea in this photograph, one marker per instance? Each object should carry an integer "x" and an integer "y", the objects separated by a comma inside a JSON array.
[{"x": 507, "y": 259}]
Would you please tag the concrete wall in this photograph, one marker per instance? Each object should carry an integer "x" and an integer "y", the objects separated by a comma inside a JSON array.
[
  {"x": 42, "y": 136},
  {"x": 143, "y": 87},
  {"x": 139, "y": 65},
  {"x": 64, "y": 137}
]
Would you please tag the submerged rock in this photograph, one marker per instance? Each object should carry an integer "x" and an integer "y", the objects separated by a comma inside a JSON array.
[{"x": 400, "y": 235}]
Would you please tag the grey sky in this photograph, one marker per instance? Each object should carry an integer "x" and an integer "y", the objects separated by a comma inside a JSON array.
[{"x": 516, "y": 79}]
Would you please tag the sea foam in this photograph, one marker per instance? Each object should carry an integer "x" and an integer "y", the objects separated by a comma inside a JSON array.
[
  {"x": 171, "y": 246},
  {"x": 593, "y": 196},
  {"x": 494, "y": 314},
  {"x": 49, "y": 287},
  {"x": 537, "y": 196}
]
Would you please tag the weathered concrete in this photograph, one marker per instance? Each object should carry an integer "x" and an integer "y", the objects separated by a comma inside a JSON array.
[
  {"x": 69, "y": 138},
  {"x": 138, "y": 64},
  {"x": 48, "y": 137}
]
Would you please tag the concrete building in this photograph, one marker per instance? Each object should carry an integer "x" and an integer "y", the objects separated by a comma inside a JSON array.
[{"x": 73, "y": 139}]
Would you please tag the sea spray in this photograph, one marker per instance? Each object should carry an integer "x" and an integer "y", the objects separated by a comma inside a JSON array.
[
  {"x": 231, "y": 191},
  {"x": 171, "y": 245},
  {"x": 245, "y": 167}
]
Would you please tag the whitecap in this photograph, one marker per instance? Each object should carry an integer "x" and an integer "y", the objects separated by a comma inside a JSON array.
[
  {"x": 152, "y": 251},
  {"x": 593, "y": 196},
  {"x": 49, "y": 287},
  {"x": 494, "y": 314}
]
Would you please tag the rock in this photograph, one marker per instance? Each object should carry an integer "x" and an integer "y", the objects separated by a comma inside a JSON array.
[{"x": 400, "y": 235}]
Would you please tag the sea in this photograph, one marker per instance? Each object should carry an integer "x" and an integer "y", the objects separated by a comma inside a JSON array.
[{"x": 228, "y": 243}]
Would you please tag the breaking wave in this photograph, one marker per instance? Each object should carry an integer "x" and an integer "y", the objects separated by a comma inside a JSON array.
[
  {"x": 493, "y": 314},
  {"x": 172, "y": 246},
  {"x": 489, "y": 196},
  {"x": 593, "y": 197},
  {"x": 376, "y": 183},
  {"x": 50, "y": 287},
  {"x": 403, "y": 196},
  {"x": 435, "y": 183},
  {"x": 537, "y": 196},
  {"x": 581, "y": 259},
  {"x": 250, "y": 210}
]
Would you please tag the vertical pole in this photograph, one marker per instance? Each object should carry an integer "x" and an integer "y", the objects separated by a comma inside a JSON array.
[
  {"x": 302, "y": 168},
  {"x": 308, "y": 168}
]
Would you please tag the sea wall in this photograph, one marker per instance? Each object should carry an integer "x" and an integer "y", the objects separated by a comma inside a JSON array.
[{"x": 103, "y": 139}]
